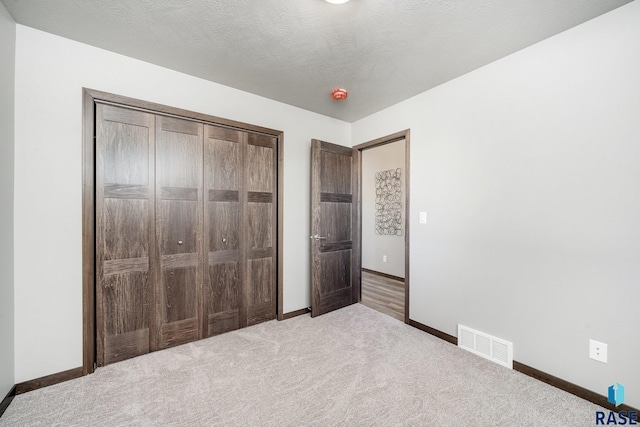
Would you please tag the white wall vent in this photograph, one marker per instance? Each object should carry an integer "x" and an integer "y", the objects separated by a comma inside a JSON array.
[{"x": 492, "y": 348}]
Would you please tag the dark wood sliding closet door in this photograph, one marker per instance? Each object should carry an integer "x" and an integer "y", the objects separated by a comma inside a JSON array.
[
  {"x": 179, "y": 212},
  {"x": 125, "y": 231},
  {"x": 223, "y": 282},
  {"x": 260, "y": 226},
  {"x": 240, "y": 179},
  {"x": 186, "y": 230}
]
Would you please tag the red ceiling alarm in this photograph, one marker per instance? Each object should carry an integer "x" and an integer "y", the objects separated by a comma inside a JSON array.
[{"x": 339, "y": 94}]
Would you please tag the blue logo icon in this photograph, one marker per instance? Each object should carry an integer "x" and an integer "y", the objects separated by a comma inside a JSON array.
[{"x": 616, "y": 394}]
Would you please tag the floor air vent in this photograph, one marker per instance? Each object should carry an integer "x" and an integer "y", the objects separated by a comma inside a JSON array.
[{"x": 492, "y": 348}]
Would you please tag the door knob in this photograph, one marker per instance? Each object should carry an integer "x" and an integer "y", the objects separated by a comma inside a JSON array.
[
  {"x": 180, "y": 242},
  {"x": 317, "y": 237}
]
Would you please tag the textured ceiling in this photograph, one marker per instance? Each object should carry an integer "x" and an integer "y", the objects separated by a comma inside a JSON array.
[{"x": 297, "y": 51}]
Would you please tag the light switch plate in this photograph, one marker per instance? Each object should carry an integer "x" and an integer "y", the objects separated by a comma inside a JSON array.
[{"x": 423, "y": 217}]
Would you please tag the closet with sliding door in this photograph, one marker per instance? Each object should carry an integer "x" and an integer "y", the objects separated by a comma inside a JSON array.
[{"x": 185, "y": 229}]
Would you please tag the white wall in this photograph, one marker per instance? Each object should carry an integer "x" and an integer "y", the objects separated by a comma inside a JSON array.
[
  {"x": 529, "y": 170},
  {"x": 50, "y": 74},
  {"x": 7, "y": 80},
  {"x": 375, "y": 246}
]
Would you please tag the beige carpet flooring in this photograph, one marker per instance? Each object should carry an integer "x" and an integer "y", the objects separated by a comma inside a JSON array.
[{"x": 351, "y": 367}]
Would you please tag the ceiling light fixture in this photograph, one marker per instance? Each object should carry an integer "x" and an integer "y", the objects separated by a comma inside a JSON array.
[
  {"x": 339, "y": 94},
  {"x": 337, "y": 1}
]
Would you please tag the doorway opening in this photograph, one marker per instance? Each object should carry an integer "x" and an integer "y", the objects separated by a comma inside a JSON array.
[{"x": 384, "y": 235}]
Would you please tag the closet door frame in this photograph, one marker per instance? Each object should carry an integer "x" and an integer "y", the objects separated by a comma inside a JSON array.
[{"x": 90, "y": 98}]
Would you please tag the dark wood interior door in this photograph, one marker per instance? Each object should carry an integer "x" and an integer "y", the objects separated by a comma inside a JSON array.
[
  {"x": 335, "y": 260},
  {"x": 260, "y": 227},
  {"x": 186, "y": 230},
  {"x": 179, "y": 219},
  {"x": 224, "y": 246},
  {"x": 125, "y": 233},
  {"x": 240, "y": 222}
]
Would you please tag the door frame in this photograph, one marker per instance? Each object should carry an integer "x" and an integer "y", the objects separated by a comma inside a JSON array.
[
  {"x": 89, "y": 99},
  {"x": 394, "y": 137}
]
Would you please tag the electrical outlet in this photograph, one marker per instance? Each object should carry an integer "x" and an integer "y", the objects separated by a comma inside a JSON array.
[
  {"x": 384, "y": 258},
  {"x": 598, "y": 351}
]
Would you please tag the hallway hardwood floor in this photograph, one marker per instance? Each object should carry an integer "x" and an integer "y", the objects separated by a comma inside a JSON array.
[{"x": 383, "y": 294}]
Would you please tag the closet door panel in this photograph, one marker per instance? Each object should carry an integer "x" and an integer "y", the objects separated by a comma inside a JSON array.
[
  {"x": 223, "y": 153},
  {"x": 124, "y": 231},
  {"x": 179, "y": 199},
  {"x": 224, "y": 234},
  {"x": 259, "y": 225},
  {"x": 260, "y": 275},
  {"x": 126, "y": 315},
  {"x": 260, "y": 228},
  {"x": 223, "y": 301},
  {"x": 260, "y": 162},
  {"x": 223, "y": 212},
  {"x": 126, "y": 228},
  {"x": 178, "y": 224},
  {"x": 179, "y": 289}
]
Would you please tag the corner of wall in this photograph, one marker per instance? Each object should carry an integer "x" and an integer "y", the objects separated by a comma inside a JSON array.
[{"x": 7, "y": 143}]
